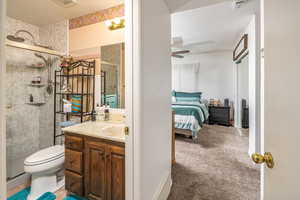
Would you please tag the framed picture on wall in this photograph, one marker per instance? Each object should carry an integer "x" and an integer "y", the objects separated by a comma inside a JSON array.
[{"x": 241, "y": 47}]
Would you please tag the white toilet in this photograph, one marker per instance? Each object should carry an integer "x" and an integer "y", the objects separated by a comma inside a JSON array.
[{"x": 44, "y": 166}]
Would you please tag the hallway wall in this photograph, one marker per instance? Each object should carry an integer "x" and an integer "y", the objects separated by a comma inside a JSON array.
[{"x": 152, "y": 100}]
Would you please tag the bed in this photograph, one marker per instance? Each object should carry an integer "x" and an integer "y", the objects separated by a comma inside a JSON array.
[{"x": 190, "y": 113}]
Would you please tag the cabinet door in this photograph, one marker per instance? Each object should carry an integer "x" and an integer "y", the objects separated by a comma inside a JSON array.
[
  {"x": 95, "y": 170},
  {"x": 74, "y": 183},
  {"x": 115, "y": 173}
]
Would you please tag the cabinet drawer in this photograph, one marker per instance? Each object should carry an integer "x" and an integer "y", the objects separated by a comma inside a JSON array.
[
  {"x": 73, "y": 142},
  {"x": 74, "y": 183},
  {"x": 73, "y": 161}
]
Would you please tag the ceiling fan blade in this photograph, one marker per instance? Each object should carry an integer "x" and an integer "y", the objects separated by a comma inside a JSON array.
[
  {"x": 181, "y": 52},
  {"x": 177, "y": 56}
]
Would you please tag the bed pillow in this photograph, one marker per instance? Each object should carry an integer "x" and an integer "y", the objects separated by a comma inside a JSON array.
[
  {"x": 187, "y": 99},
  {"x": 188, "y": 96},
  {"x": 173, "y": 96}
]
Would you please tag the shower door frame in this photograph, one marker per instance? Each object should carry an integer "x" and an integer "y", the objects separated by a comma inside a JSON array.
[{"x": 2, "y": 102}]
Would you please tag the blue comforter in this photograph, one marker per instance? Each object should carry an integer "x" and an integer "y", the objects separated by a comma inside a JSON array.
[{"x": 190, "y": 115}]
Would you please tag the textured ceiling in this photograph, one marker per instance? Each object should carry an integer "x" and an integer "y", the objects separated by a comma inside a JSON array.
[
  {"x": 41, "y": 12},
  {"x": 183, "y": 5},
  {"x": 212, "y": 28}
]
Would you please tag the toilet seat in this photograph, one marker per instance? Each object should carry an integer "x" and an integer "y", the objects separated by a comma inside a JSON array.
[{"x": 45, "y": 156}]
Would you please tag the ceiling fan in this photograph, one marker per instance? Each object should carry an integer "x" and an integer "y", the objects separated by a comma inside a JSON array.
[
  {"x": 180, "y": 48},
  {"x": 177, "y": 54}
]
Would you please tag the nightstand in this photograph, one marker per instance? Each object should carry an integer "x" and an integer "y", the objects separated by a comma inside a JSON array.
[{"x": 219, "y": 115}]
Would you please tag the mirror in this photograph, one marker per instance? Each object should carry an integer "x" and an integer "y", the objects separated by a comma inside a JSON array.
[
  {"x": 243, "y": 92},
  {"x": 109, "y": 73},
  {"x": 112, "y": 76}
]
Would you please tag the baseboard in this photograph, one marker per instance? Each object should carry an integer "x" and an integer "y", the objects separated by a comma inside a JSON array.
[{"x": 164, "y": 189}]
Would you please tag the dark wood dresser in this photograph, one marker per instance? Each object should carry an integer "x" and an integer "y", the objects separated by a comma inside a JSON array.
[{"x": 219, "y": 115}]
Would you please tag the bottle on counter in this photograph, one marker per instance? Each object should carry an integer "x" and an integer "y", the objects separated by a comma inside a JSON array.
[
  {"x": 94, "y": 115},
  {"x": 106, "y": 113},
  {"x": 100, "y": 113}
]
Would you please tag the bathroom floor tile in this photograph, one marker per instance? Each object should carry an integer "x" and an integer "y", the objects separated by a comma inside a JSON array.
[{"x": 60, "y": 194}]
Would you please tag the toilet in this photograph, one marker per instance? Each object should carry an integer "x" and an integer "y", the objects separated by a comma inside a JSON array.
[{"x": 44, "y": 166}]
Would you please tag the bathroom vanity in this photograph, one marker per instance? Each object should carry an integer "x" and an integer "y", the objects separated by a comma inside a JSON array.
[{"x": 95, "y": 160}]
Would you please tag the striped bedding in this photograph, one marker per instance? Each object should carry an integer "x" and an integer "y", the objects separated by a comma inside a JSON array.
[{"x": 190, "y": 116}]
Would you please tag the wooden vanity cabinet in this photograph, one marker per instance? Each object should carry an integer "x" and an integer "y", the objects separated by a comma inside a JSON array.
[
  {"x": 95, "y": 173},
  {"x": 103, "y": 169},
  {"x": 115, "y": 166}
]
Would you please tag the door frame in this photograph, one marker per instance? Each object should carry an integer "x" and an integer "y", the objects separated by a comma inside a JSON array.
[
  {"x": 2, "y": 102},
  {"x": 129, "y": 108}
]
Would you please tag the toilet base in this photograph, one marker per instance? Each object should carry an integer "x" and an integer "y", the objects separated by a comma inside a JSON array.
[{"x": 41, "y": 183}]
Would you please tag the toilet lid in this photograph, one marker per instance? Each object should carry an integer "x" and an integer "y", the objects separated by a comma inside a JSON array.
[{"x": 45, "y": 155}]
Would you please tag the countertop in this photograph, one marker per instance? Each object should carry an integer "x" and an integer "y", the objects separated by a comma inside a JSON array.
[{"x": 108, "y": 130}]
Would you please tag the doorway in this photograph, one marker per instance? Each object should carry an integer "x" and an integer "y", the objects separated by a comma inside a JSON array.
[{"x": 224, "y": 86}]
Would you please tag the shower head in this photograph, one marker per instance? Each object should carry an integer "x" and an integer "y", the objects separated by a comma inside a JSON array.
[{"x": 15, "y": 38}]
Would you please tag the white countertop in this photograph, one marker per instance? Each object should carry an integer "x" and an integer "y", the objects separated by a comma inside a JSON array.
[{"x": 108, "y": 130}]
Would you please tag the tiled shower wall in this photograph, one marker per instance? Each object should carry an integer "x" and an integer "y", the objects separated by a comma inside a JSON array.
[{"x": 30, "y": 127}]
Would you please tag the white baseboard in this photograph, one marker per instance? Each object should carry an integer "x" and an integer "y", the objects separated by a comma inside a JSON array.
[{"x": 164, "y": 188}]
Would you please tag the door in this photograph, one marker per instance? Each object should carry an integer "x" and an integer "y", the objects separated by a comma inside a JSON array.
[
  {"x": 115, "y": 173},
  {"x": 95, "y": 170},
  {"x": 281, "y": 94}
]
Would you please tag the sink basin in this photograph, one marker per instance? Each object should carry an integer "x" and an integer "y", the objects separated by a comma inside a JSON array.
[
  {"x": 113, "y": 130},
  {"x": 106, "y": 130}
]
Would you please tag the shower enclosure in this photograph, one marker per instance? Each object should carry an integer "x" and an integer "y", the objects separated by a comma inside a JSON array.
[{"x": 29, "y": 105}]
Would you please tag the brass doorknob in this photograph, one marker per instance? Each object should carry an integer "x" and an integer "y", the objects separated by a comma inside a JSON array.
[{"x": 266, "y": 158}]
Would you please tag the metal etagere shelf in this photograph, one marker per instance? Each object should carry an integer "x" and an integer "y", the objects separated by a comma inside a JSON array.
[{"x": 77, "y": 79}]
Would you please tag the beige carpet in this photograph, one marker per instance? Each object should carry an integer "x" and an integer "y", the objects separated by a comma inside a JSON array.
[{"x": 214, "y": 167}]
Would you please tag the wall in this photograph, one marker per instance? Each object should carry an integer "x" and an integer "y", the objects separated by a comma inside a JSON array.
[
  {"x": 215, "y": 75},
  {"x": 29, "y": 127},
  {"x": 89, "y": 31},
  {"x": 56, "y": 35},
  {"x": 152, "y": 98},
  {"x": 94, "y": 35}
]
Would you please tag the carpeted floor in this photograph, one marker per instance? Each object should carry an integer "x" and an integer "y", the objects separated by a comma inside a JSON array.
[{"x": 215, "y": 167}]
